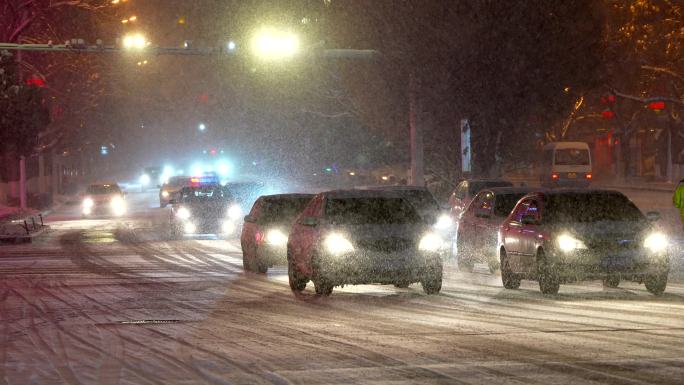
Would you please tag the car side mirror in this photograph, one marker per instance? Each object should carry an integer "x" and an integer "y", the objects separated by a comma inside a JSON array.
[
  {"x": 250, "y": 219},
  {"x": 483, "y": 213},
  {"x": 653, "y": 216},
  {"x": 529, "y": 220},
  {"x": 308, "y": 221}
]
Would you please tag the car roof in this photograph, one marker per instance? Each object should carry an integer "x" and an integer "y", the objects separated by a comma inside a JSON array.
[
  {"x": 392, "y": 188},
  {"x": 567, "y": 191},
  {"x": 353, "y": 193},
  {"x": 485, "y": 180},
  {"x": 103, "y": 183},
  {"x": 561, "y": 145},
  {"x": 512, "y": 190},
  {"x": 288, "y": 196}
]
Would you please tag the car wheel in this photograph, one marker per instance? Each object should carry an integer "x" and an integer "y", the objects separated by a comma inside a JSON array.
[
  {"x": 656, "y": 283},
  {"x": 432, "y": 282},
  {"x": 402, "y": 284},
  {"x": 322, "y": 287},
  {"x": 549, "y": 282},
  {"x": 611, "y": 280},
  {"x": 297, "y": 281},
  {"x": 509, "y": 279},
  {"x": 465, "y": 262}
]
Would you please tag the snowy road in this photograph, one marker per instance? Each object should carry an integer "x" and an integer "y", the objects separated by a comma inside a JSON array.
[{"x": 113, "y": 302}]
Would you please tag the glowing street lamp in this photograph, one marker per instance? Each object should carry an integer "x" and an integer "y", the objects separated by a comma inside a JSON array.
[
  {"x": 134, "y": 41},
  {"x": 271, "y": 44}
]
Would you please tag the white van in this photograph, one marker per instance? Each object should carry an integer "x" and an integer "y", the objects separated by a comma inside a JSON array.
[{"x": 566, "y": 164}]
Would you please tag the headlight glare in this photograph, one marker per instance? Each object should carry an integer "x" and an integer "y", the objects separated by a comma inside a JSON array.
[
  {"x": 338, "y": 244},
  {"x": 656, "y": 242},
  {"x": 165, "y": 194},
  {"x": 189, "y": 228},
  {"x": 444, "y": 222},
  {"x": 431, "y": 242},
  {"x": 88, "y": 203},
  {"x": 234, "y": 212},
  {"x": 118, "y": 206},
  {"x": 568, "y": 243},
  {"x": 276, "y": 237},
  {"x": 183, "y": 213}
]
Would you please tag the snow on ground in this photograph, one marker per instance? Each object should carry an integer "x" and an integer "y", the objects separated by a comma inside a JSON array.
[{"x": 113, "y": 302}]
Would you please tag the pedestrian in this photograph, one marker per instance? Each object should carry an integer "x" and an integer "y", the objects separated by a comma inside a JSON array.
[{"x": 678, "y": 200}]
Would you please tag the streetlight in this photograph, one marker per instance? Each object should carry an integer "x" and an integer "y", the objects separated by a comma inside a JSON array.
[
  {"x": 134, "y": 41},
  {"x": 202, "y": 127},
  {"x": 271, "y": 44}
]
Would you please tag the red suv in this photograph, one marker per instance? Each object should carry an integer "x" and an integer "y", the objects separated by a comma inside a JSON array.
[
  {"x": 362, "y": 237},
  {"x": 264, "y": 233}
]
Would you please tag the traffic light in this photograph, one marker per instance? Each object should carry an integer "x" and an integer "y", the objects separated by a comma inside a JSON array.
[{"x": 608, "y": 114}]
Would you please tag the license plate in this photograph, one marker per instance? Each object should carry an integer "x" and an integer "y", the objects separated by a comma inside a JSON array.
[{"x": 572, "y": 175}]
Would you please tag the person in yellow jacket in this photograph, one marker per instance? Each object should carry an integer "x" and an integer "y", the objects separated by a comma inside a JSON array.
[{"x": 678, "y": 200}]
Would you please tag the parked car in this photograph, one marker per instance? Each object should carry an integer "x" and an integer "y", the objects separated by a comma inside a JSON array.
[
  {"x": 478, "y": 227},
  {"x": 560, "y": 236},
  {"x": 103, "y": 198},
  {"x": 566, "y": 164},
  {"x": 467, "y": 189},
  {"x": 362, "y": 237},
  {"x": 266, "y": 228},
  {"x": 170, "y": 189}
]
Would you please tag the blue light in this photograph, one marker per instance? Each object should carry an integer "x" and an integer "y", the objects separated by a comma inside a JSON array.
[{"x": 104, "y": 150}]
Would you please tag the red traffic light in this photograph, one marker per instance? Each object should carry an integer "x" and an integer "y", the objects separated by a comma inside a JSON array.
[
  {"x": 212, "y": 151},
  {"x": 657, "y": 106},
  {"x": 607, "y": 114}
]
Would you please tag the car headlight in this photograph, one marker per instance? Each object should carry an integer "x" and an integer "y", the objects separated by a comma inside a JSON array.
[
  {"x": 88, "y": 203},
  {"x": 276, "y": 237},
  {"x": 338, "y": 244},
  {"x": 569, "y": 243},
  {"x": 444, "y": 222},
  {"x": 189, "y": 228},
  {"x": 656, "y": 242},
  {"x": 144, "y": 179},
  {"x": 228, "y": 227},
  {"x": 183, "y": 213},
  {"x": 431, "y": 242},
  {"x": 118, "y": 206},
  {"x": 165, "y": 194},
  {"x": 234, "y": 212}
]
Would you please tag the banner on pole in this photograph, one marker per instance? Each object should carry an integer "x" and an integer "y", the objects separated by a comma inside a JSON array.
[{"x": 466, "y": 151}]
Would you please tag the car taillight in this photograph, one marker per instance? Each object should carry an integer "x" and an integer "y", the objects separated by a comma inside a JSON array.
[
  {"x": 589, "y": 176},
  {"x": 554, "y": 176}
]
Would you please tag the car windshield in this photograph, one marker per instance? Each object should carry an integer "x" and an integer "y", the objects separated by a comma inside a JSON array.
[
  {"x": 203, "y": 194},
  {"x": 476, "y": 186},
  {"x": 597, "y": 207},
  {"x": 283, "y": 209},
  {"x": 359, "y": 211},
  {"x": 505, "y": 203},
  {"x": 99, "y": 189},
  {"x": 422, "y": 200},
  {"x": 572, "y": 157}
]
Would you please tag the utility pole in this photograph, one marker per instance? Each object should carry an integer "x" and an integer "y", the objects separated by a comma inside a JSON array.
[{"x": 415, "y": 136}]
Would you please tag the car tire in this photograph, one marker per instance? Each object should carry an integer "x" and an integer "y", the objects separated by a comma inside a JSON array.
[
  {"x": 509, "y": 279},
  {"x": 297, "y": 281},
  {"x": 611, "y": 280},
  {"x": 656, "y": 283},
  {"x": 432, "y": 282},
  {"x": 322, "y": 287},
  {"x": 549, "y": 282},
  {"x": 465, "y": 262}
]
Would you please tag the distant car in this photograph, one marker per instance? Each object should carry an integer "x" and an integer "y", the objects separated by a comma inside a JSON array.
[
  {"x": 478, "y": 227},
  {"x": 150, "y": 177},
  {"x": 362, "y": 237},
  {"x": 103, "y": 198},
  {"x": 245, "y": 193},
  {"x": 465, "y": 191},
  {"x": 171, "y": 188},
  {"x": 203, "y": 209},
  {"x": 563, "y": 235},
  {"x": 266, "y": 228}
]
